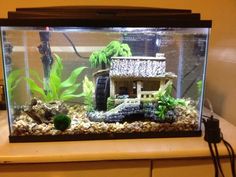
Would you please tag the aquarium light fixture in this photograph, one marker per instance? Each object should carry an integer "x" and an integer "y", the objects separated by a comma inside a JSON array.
[
  {"x": 133, "y": 29},
  {"x": 108, "y": 29},
  {"x": 64, "y": 49}
]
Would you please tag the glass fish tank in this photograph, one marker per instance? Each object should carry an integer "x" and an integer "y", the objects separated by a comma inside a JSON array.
[{"x": 90, "y": 81}]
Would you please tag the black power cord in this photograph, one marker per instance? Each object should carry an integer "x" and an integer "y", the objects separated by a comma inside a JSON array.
[
  {"x": 73, "y": 46},
  {"x": 213, "y": 136},
  {"x": 231, "y": 156}
]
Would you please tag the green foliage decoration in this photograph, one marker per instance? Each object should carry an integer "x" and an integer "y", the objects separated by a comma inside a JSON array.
[
  {"x": 166, "y": 102},
  {"x": 88, "y": 92},
  {"x": 199, "y": 87},
  {"x": 164, "y": 90},
  {"x": 61, "y": 122},
  {"x": 110, "y": 103},
  {"x": 56, "y": 89},
  {"x": 13, "y": 79},
  {"x": 113, "y": 49}
]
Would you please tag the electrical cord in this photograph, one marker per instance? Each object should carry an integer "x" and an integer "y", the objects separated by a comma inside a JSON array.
[
  {"x": 218, "y": 160},
  {"x": 231, "y": 156},
  {"x": 73, "y": 46},
  {"x": 213, "y": 136},
  {"x": 214, "y": 160}
]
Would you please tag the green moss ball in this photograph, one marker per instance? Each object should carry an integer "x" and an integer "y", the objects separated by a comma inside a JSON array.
[{"x": 61, "y": 122}]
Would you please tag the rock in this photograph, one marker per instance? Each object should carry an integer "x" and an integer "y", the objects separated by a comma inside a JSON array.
[
  {"x": 44, "y": 112},
  {"x": 86, "y": 125},
  {"x": 96, "y": 116}
]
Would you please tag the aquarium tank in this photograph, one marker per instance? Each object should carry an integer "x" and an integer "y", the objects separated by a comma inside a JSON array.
[{"x": 84, "y": 79}]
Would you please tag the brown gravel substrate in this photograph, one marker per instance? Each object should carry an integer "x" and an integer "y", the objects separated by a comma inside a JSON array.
[{"x": 187, "y": 120}]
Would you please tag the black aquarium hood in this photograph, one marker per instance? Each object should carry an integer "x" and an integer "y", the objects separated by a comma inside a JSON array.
[{"x": 104, "y": 16}]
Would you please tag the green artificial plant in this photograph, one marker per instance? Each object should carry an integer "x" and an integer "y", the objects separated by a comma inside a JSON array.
[
  {"x": 57, "y": 89},
  {"x": 88, "y": 92},
  {"x": 199, "y": 87},
  {"x": 165, "y": 101},
  {"x": 113, "y": 49},
  {"x": 110, "y": 103},
  {"x": 13, "y": 79}
]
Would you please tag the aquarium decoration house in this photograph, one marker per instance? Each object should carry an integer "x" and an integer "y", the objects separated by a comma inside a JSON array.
[{"x": 103, "y": 73}]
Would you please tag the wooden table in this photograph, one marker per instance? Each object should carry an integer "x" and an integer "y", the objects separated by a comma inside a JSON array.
[{"x": 159, "y": 157}]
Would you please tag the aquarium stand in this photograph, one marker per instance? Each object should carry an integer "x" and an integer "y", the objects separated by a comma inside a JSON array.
[{"x": 104, "y": 136}]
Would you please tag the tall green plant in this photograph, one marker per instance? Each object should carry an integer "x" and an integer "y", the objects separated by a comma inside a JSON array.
[
  {"x": 113, "y": 49},
  {"x": 199, "y": 87},
  {"x": 88, "y": 91},
  {"x": 57, "y": 89},
  {"x": 164, "y": 90},
  {"x": 13, "y": 79}
]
